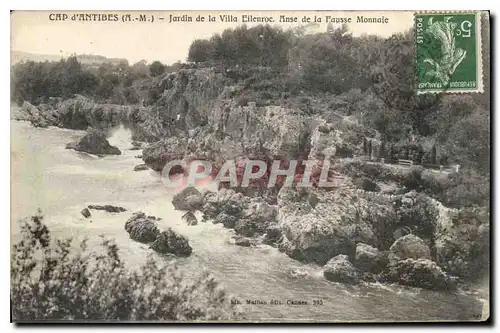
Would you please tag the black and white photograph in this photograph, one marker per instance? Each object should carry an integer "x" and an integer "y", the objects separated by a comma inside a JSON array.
[{"x": 250, "y": 166}]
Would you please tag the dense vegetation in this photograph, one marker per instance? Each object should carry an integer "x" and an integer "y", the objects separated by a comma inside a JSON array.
[
  {"x": 50, "y": 280},
  {"x": 116, "y": 83},
  {"x": 372, "y": 79}
]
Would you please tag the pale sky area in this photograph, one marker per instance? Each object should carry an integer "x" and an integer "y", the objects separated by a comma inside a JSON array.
[{"x": 34, "y": 32}]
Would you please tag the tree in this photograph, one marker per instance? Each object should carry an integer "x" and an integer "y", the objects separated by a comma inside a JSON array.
[
  {"x": 434, "y": 155},
  {"x": 370, "y": 149},
  {"x": 200, "y": 50},
  {"x": 156, "y": 68},
  {"x": 381, "y": 152}
]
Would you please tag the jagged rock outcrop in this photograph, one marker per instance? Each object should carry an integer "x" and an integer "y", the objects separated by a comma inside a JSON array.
[
  {"x": 247, "y": 216},
  {"x": 409, "y": 246},
  {"x": 370, "y": 259},
  {"x": 157, "y": 154},
  {"x": 190, "y": 218},
  {"x": 94, "y": 143},
  {"x": 421, "y": 273},
  {"x": 224, "y": 201},
  {"x": 340, "y": 269},
  {"x": 189, "y": 199},
  {"x": 338, "y": 220},
  {"x": 169, "y": 241},
  {"x": 32, "y": 113},
  {"x": 80, "y": 113},
  {"x": 108, "y": 208},
  {"x": 256, "y": 218},
  {"x": 228, "y": 221},
  {"x": 142, "y": 228},
  {"x": 273, "y": 235},
  {"x": 463, "y": 242}
]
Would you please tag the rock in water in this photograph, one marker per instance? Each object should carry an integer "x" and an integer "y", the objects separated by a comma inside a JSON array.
[
  {"x": 369, "y": 259},
  {"x": 142, "y": 228},
  {"x": 94, "y": 143},
  {"x": 298, "y": 273},
  {"x": 243, "y": 241},
  {"x": 409, "y": 246},
  {"x": 170, "y": 242},
  {"x": 227, "y": 220},
  {"x": 140, "y": 167},
  {"x": 190, "y": 219},
  {"x": 35, "y": 117},
  {"x": 108, "y": 208},
  {"x": 86, "y": 213},
  {"x": 136, "y": 145},
  {"x": 421, "y": 273},
  {"x": 188, "y": 199},
  {"x": 273, "y": 235},
  {"x": 340, "y": 269}
]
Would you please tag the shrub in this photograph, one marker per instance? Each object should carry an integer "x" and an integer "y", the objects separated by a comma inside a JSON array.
[
  {"x": 467, "y": 188},
  {"x": 156, "y": 68},
  {"x": 344, "y": 151},
  {"x": 413, "y": 179},
  {"x": 51, "y": 282},
  {"x": 367, "y": 184},
  {"x": 465, "y": 247}
]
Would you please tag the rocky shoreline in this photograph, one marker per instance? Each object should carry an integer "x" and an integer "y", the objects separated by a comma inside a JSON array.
[
  {"x": 345, "y": 241},
  {"x": 373, "y": 227}
]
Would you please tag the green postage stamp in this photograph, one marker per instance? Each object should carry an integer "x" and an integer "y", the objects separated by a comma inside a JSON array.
[{"x": 448, "y": 52}]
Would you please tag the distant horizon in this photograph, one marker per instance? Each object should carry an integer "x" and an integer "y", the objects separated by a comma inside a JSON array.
[
  {"x": 13, "y": 52},
  {"x": 163, "y": 41}
]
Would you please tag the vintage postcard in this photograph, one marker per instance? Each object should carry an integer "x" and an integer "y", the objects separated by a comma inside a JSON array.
[{"x": 258, "y": 166}]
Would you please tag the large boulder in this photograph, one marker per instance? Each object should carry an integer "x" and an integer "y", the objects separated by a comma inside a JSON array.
[
  {"x": 142, "y": 228},
  {"x": 409, "y": 246},
  {"x": 157, "y": 154},
  {"x": 188, "y": 199},
  {"x": 94, "y": 143},
  {"x": 421, "y": 273},
  {"x": 256, "y": 218},
  {"x": 337, "y": 221},
  {"x": 227, "y": 220},
  {"x": 224, "y": 200},
  {"x": 34, "y": 115},
  {"x": 340, "y": 269},
  {"x": 169, "y": 241},
  {"x": 369, "y": 259},
  {"x": 190, "y": 218}
]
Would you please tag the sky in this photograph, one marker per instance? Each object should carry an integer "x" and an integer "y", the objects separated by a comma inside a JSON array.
[{"x": 40, "y": 32}]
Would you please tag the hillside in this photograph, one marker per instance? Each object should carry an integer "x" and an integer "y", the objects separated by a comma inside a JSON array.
[
  {"x": 328, "y": 98},
  {"x": 85, "y": 59}
]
